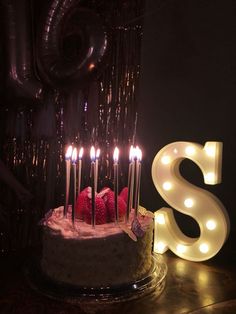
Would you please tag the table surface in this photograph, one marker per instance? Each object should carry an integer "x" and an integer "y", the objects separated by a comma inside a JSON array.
[{"x": 191, "y": 287}]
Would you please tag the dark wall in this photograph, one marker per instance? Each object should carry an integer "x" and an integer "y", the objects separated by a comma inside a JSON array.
[{"x": 187, "y": 89}]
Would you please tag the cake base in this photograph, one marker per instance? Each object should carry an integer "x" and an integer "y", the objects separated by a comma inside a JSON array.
[
  {"x": 154, "y": 281},
  {"x": 81, "y": 255}
]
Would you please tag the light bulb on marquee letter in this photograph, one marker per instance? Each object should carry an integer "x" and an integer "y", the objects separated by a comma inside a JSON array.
[{"x": 189, "y": 199}]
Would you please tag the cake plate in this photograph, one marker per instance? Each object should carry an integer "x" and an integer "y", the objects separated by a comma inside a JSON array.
[{"x": 154, "y": 281}]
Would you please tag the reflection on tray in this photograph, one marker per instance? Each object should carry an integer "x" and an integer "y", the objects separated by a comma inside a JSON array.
[{"x": 73, "y": 294}]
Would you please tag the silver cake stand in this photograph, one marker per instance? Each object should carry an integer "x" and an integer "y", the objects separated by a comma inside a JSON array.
[{"x": 153, "y": 282}]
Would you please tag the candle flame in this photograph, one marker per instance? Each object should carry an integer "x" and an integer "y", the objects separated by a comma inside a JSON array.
[
  {"x": 74, "y": 155},
  {"x": 68, "y": 152},
  {"x": 98, "y": 153},
  {"x": 131, "y": 153},
  {"x": 116, "y": 154},
  {"x": 81, "y": 152},
  {"x": 138, "y": 153},
  {"x": 92, "y": 153}
]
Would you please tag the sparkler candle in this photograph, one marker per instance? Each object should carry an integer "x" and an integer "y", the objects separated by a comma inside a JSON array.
[
  {"x": 81, "y": 151},
  {"x": 115, "y": 158},
  {"x": 130, "y": 182},
  {"x": 137, "y": 178},
  {"x": 67, "y": 186},
  {"x": 73, "y": 160},
  {"x": 92, "y": 157},
  {"x": 96, "y": 169}
]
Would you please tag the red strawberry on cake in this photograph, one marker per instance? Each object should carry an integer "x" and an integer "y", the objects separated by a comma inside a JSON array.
[
  {"x": 81, "y": 203},
  {"x": 110, "y": 204},
  {"x": 124, "y": 194},
  {"x": 104, "y": 194},
  {"x": 84, "y": 207},
  {"x": 100, "y": 211},
  {"x": 104, "y": 205}
]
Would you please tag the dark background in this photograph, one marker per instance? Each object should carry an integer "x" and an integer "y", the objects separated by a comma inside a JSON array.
[{"x": 187, "y": 91}]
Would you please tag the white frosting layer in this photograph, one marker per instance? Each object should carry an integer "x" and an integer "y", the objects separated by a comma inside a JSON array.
[
  {"x": 80, "y": 230},
  {"x": 95, "y": 257}
]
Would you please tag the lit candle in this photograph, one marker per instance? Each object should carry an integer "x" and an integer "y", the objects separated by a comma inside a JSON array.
[
  {"x": 138, "y": 178},
  {"x": 96, "y": 169},
  {"x": 92, "y": 157},
  {"x": 81, "y": 151},
  {"x": 115, "y": 159},
  {"x": 130, "y": 182},
  {"x": 67, "y": 187},
  {"x": 73, "y": 160}
]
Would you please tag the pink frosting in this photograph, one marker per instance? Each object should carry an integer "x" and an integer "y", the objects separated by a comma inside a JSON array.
[{"x": 56, "y": 221}]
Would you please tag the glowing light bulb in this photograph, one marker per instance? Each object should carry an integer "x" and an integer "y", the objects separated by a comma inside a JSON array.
[
  {"x": 210, "y": 151},
  {"x": 160, "y": 218},
  {"x": 160, "y": 247},
  {"x": 167, "y": 186},
  {"x": 211, "y": 224},
  {"x": 210, "y": 177},
  {"x": 188, "y": 203},
  {"x": 190, "y": 150},
  {"x": 181, "y": 248},
  {"x": 204, "y": 248},
  {"x": 188, "y": 199},
  {"x": 165, "y": 160}
]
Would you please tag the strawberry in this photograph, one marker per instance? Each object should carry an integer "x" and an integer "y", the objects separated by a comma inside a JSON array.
[
  {"x": 100, "y": 211},
  {"x": 104, "y": 193},
  {"x": 110, "y": 204},
  {"x": 81, "y": 203},
  {"x": 124, "y": 194}
]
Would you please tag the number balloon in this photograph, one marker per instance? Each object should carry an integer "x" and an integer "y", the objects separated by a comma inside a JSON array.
[
  {"x": 71, "y": 43},
  {"x": 21, "y": 79}
]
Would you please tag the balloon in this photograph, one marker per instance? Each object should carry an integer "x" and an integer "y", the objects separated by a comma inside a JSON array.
[
  {"x": 21, "y": 80},
  {"x": 71, "y": 43}
]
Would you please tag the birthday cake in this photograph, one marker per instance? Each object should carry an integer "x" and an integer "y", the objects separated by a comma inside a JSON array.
[{"x": 111, "y": 253}]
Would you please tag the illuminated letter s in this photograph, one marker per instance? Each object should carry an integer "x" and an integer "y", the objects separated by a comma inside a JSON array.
[{"x": 203, "y": 206}]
